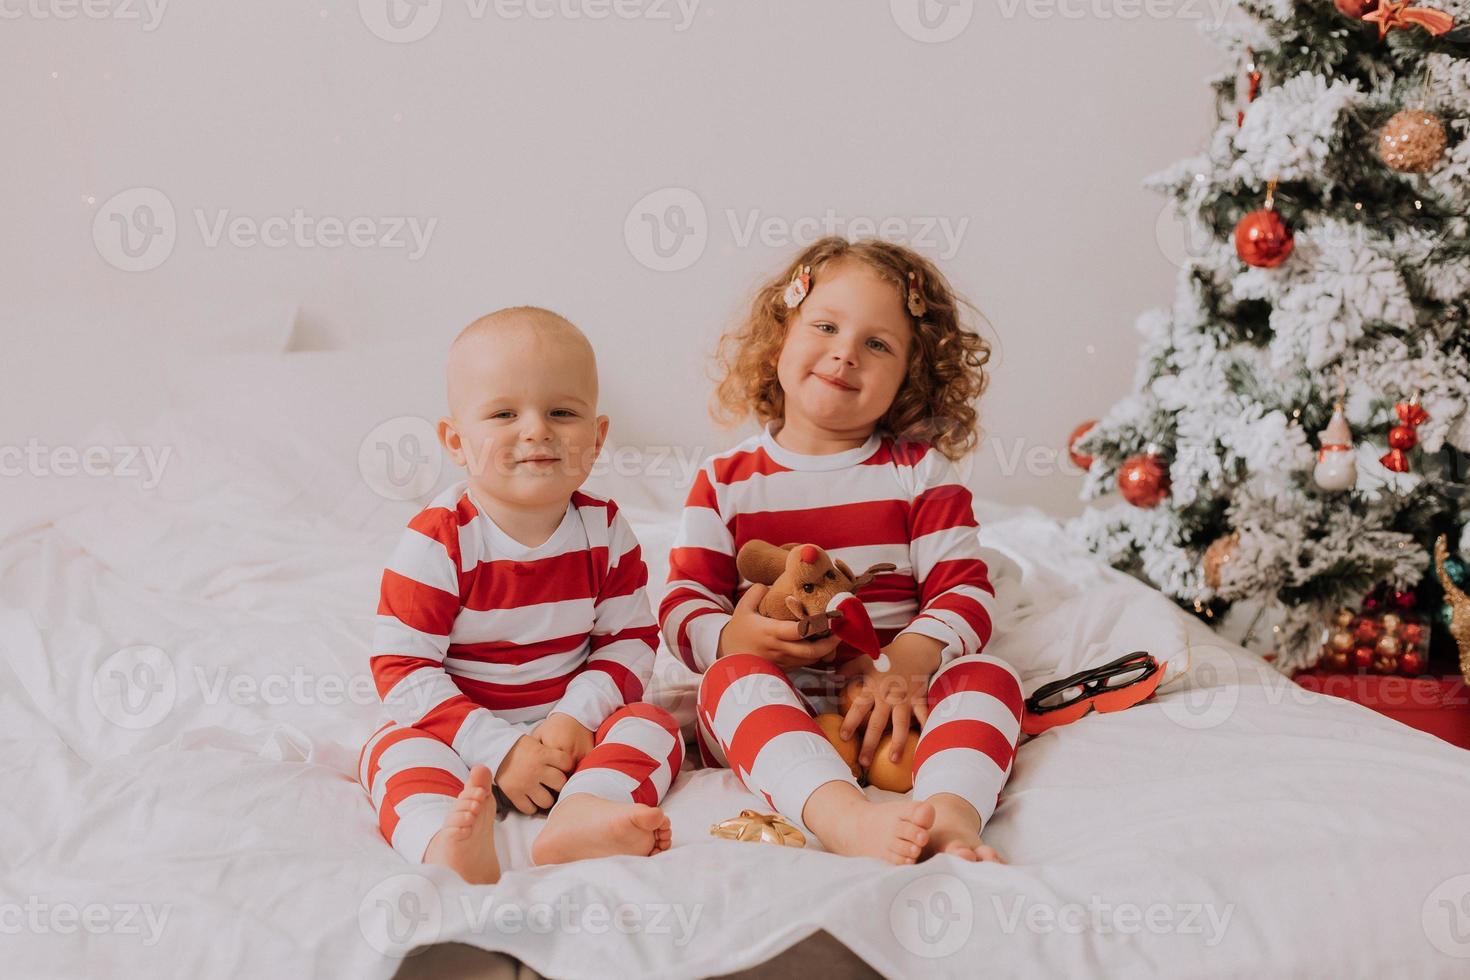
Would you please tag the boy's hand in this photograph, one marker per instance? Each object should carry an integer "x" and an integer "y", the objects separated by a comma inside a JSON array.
[
  {"x": 899, "y": 695},
  {"x": 532, "y": 773},
  {"x": 775, "y": 640},
  {"x": 563, "y": 732}
]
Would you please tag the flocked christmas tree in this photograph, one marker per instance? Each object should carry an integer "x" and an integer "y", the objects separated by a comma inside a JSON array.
[{"x": 1298, "y": 433}]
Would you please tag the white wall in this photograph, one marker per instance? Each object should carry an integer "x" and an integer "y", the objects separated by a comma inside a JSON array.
[{"x": 529, "y": 142}]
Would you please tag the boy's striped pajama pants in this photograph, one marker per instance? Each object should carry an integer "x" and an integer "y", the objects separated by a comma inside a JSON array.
[
  {"x": 413, "y": 778},
  {"x": 752, "y": 719}
]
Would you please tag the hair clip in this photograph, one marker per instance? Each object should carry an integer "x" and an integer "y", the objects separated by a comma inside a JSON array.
[
  {"x": 798, "y": 287},
  {"x": 917, "y": 306}
]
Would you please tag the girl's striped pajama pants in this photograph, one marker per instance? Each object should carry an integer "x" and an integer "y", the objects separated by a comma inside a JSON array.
[{"x": 752, "y": 719}]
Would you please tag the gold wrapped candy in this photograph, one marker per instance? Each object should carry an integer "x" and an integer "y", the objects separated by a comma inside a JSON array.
[{"x": 768, "y": 828}]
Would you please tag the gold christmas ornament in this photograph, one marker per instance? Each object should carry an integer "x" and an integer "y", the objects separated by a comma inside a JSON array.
[
  {"x": 1345, "y": 618},
  {"x": 1342, "y": 640},
  {"x": 1459, "y": 604},
  {"x": 1217, "y": 556},
  {"x": 767, "y": 828},
  {"x": 1388, "y": 645},
  {"x": 1412, "y": 142},
  {"x": 1391, "y": 623}
]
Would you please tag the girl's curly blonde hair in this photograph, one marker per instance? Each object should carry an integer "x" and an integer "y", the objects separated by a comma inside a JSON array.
[{"x": 946, "y": 369}]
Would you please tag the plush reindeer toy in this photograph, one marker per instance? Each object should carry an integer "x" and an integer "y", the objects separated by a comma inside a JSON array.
[{"x": 810, "y": 588}]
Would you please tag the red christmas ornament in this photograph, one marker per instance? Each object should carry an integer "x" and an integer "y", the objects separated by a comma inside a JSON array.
[
  {"x": 1263, "y": 240},
  {"x": 1405, "y": 600},
  {"x": 1411, "y": 662},
  {"x": 1078, "y": 460},
  {"x": 1370, "y": 602},
  {"x": 1355, "y": 8},
  {"x": 1363, "y": 658},
  {"x": 1402, "y": 437},
  {"x": 1248, "y": 85},
  {"x": 1367, "y": 632},
  {"x": 1411, "y": 633},
  {"x": 1143, "y": 480}
]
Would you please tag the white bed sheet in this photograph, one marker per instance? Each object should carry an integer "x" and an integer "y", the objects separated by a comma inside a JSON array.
[{"x": 1236, "y": 826}]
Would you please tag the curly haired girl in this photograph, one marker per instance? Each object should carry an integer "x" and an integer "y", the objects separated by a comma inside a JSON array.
[{"x": 857, "y": 364}]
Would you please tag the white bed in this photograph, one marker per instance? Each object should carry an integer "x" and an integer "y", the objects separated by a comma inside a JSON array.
[{"x": 185, "y": 690}]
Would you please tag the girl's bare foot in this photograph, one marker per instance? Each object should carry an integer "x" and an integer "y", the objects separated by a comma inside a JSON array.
[
  {"x": 466, "y": 842},
  {"x": 957, "y": 831},
  {"x": 847, "y": 822},
  {"x": 586, "y": 826}
]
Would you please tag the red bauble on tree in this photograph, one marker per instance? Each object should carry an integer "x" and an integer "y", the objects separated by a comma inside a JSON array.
[
  {"x": 1402, "y": 437},
  {"x": 1355, "y": 8},
  {"x": 1262, "y": 239},
  {"x": 1079, "y": 460},
  {"x": 1143, "y": 480}
]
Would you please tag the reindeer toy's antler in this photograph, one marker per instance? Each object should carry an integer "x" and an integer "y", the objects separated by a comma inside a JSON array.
[{"x": 810, "y": 588}]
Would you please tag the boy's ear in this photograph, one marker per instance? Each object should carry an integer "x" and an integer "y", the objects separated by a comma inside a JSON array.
[
  {"x": 602, "y": 426},
  {"x": 449, "y": 438}
]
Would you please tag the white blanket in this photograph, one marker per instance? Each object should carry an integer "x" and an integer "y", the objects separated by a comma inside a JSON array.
[{"x": 184, "y": 692}]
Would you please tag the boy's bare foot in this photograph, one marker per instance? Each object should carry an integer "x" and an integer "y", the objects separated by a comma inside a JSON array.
[
  {"x": 847, "y": 822},
  {"x": 466, "y": 843},
  {"x": 586, "y": 826},
  {"x": 957, "y": 831}
]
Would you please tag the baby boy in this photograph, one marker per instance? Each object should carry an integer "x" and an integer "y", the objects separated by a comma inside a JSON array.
[{"x": 514, "y": 635}]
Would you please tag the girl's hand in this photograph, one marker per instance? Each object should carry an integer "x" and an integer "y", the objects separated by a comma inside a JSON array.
[
  {"x": 899, "y": 695},
  {"x": 775, "y": 640}
]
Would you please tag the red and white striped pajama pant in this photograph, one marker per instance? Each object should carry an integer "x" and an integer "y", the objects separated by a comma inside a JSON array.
[
  {"x": 752, "y": 719},
  {"x": 413, "y": 777}
]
